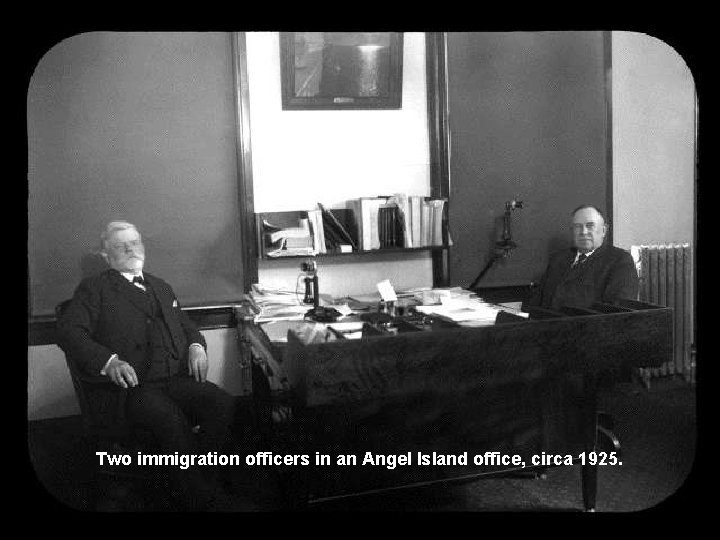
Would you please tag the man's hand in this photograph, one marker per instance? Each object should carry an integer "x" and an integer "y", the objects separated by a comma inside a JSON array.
[
  {"x": 197, "y": 362},
  {"x": 121, "y": 373}
]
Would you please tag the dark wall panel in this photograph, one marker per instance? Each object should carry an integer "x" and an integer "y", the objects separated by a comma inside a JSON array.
[
  {"x": 527, "y": 115},
  {"x": 136, "y": 126}
]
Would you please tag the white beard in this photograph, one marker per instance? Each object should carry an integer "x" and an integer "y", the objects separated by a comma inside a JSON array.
[{"x": 136, "y": 264}]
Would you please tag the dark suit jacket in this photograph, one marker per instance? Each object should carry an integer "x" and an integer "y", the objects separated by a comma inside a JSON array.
[
  {"x": 107, "y": 316},
  {"x": 606, "y": 276}
]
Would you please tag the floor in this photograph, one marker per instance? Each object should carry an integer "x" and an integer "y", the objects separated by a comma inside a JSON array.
[{"x": 656, "y": 426}]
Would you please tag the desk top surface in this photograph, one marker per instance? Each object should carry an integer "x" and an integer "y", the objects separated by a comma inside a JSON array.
[{"x": 365, "y": 315}]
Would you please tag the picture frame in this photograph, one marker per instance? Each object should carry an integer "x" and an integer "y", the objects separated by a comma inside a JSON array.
[{"x": 341, "y": 70}]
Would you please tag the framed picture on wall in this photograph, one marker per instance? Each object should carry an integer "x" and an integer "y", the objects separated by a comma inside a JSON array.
[{"x": 341, "y": 70}]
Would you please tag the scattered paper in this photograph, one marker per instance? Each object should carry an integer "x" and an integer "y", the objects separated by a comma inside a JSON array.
[
  {"x": 387, "y": 292},
  {"x": 344, "y": 309},
  {"x": 347, "y": 326}
]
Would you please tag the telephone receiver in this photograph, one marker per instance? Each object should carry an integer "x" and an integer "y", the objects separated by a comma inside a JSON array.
[
  {"x": 506, "y": 244},
  {"x": 312, "y": 294}
]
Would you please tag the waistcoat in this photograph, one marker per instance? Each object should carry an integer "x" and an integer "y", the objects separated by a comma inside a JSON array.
[{"x": 164, "y": 361}]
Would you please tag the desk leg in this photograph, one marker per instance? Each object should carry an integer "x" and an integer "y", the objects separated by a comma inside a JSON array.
[
  {"x": 589, "y": 472},
  {"x": 589, "y": 486}
]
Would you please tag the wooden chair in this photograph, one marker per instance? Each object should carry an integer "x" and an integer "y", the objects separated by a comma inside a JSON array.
[
  {"x": 103, "y": 426},
  {"x": 105, "y": 429}
]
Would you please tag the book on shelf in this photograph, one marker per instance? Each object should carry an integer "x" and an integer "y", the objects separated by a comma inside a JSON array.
[
  {"x": 404, "y": 218},
  {"x": 366, "y": 215},
  {"x": 335, "y": 232},
  {"x": 318, "y": 231},
  {"x": 428, "y": 221},
  {"x": 436, "y": 234},
  {"x": 386, "y": 214},
  {"x": 391, "y": 227},
  {"x": 367, "y": 223},
  {"x": 416, "y": 220},
  {"x": 425, "y": 223}
]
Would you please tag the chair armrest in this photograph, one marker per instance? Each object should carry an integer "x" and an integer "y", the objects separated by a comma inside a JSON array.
[{"x": 96, "y": 380}]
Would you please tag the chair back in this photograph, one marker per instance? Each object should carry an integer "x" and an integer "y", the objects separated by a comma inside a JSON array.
[
  {"x": 96, "y": 422},
  {"x": 72, "y": 368}
]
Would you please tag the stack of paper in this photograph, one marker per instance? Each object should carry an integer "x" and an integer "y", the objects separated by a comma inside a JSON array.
[
  {"x": 290, "y": 241},
  {"x": 276, "y": 304},
  {"x": 460, "y": 306},
  {"x": 515, "y": 308},
  {"x": 428, "y": 296},
  {"x": 478, "y": 314},
  {"x": 463, "y": 307},
  {"x": 348, "y": 330}
]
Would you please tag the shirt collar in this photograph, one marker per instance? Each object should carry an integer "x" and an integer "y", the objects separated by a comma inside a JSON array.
[
  {"x": 129, "y": 275},
  {"x": 587, "y": 254}
]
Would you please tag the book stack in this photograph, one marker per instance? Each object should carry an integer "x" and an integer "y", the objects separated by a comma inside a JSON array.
[
  {"x": 391, "y": 226},
  {"x": 400, "y": 221},
  {"x": 367, "y": 223},
  {"x": 289, "y": 241},
  {"x": 366, "y": 211}
]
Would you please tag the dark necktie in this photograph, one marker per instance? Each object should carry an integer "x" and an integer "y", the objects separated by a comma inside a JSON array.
[
  {"x": 139, "y": 282},
  {"x": 580, "y": 260}
]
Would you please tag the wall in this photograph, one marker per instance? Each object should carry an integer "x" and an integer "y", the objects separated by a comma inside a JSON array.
[
  {"x": 301, "y": 158},
  {"x": 112, "y": 107},
  {"x": 297, "y": 154},
  {"x": 653, "y": 142},
  {"x": 528, "y": 119},
  {"x": 139, "y": 126}
]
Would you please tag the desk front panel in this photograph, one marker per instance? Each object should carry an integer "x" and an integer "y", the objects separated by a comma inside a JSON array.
[{"x": 518, "y": 389}]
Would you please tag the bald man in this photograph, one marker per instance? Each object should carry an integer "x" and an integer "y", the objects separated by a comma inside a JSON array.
[{"x": 591, "y": 271}]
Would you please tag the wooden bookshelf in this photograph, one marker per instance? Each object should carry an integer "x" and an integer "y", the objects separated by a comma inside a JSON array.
[
  {"x": 346, "y": 218},
  {"x": 360, "y": 253}
]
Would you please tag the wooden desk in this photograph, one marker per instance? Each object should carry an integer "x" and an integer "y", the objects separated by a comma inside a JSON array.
[{"x": 521, "y": 387}]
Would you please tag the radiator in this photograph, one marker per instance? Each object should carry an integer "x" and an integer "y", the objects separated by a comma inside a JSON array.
[{"x": 666, "y": 279}]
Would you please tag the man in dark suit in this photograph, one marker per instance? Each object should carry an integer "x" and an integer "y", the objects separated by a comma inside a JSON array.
[
  {"x": 127, "y": 325},
  {"x": 591, "y": 271}
]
